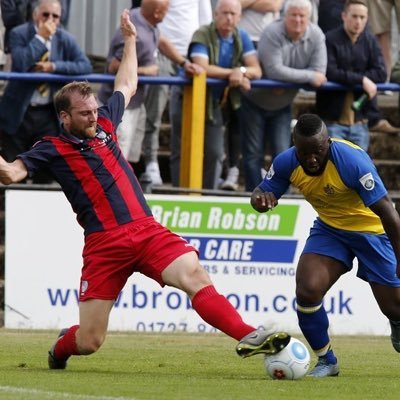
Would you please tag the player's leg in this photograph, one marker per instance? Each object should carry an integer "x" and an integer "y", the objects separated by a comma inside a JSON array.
[
  {"x": 377, "y": 265},
  {"x": 85, "y": 338},
  {"x": 388, "y": 299},
  {"x": 186, "y": 273},
  {"x": 327, "y": 255},
  {"x": 315, "y": 275}
]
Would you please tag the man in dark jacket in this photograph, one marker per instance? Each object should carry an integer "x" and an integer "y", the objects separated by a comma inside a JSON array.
[
  {"x": 354, "y": 58},
  {"x": 26, "y": 108}
]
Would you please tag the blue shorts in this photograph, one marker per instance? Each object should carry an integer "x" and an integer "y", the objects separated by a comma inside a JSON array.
[{"x": 376, "y": 259}]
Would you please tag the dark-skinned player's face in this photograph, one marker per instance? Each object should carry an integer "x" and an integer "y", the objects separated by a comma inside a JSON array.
[{"x": 312, "y": 152}]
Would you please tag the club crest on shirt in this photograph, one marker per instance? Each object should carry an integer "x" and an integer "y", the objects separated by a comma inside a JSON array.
[
  {"x": 367, "y": 181},
  {"x": 329, "y": 190},
  {"x": 84, "y": 286},
  {"x": 270, "y": 172}
]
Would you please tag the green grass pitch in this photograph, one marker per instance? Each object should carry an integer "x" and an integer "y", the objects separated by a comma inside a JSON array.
[{"x": 178, "y": 366}]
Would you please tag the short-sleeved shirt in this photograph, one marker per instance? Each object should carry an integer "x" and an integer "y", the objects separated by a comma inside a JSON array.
[
  {"x": 225, "y": 56},
  {"x": 97, "y": 180},
  {"x": 342, "y": 194}
]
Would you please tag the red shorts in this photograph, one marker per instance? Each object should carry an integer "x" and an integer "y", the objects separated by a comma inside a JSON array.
[{"x": 111, "y": 257}]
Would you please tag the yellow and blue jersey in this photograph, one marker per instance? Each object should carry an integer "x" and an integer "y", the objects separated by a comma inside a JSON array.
[{"x": 342, "y": 194}]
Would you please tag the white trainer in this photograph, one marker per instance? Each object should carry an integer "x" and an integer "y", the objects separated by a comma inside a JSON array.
[
  {"x": 153, "y": 170},
  {"x": 232, "y": 178}
]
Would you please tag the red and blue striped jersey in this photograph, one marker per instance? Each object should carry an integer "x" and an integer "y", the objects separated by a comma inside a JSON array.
[{"x": 95, "y": 177}]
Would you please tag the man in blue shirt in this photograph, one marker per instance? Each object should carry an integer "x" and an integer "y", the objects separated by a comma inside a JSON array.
[{"x": 225, "y": 52}]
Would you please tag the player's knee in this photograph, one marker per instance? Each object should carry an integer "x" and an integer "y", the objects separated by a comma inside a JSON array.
[
  {"x": 90, "y": 344},
  {"x": 194, "y": 278},
  {"x": 307, "y": 293},
  {"x": 391, "y": 311}
]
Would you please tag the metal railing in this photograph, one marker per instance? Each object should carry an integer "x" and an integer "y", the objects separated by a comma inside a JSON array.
[
  {"x": 193, "y": 109},
  {"x": 176, "y": 80}
]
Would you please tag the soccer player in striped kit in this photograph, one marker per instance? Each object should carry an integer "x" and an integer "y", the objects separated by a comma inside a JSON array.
[{"x": 121, "y": 235}]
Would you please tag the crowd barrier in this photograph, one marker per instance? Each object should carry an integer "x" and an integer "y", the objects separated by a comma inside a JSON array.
[{"x": 193, "y": 112}]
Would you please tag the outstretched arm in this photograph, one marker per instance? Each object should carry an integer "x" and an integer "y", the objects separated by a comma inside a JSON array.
[
  {"x": 126, "y": 78},
  {"x": 12, "y": 172}
]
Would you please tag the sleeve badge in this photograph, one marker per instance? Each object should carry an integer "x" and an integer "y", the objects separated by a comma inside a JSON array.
[{"x": 367, "y": 181}]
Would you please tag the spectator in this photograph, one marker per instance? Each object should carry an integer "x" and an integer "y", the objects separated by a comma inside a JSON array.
[
  {"x": 395, "y": 73},
  {"x": 146, "y": 18},
  {"x": 26, "y": 108},
  {"x": 182, "y": 19},
  {"x": 354, "y": 58},
  {"x": 380, "y": 22},
  {"x": 293, "y": 50},
  {"x": 330, "y": 14},
  {"x": 191, "y": 20},
  {"x": 329, "y": 18},
  {"x": 2, "y": 52},
  {"x": 225, "y": 52},
  {"x": 256, "y": 15},
  {"x": 17, "y": 12}
]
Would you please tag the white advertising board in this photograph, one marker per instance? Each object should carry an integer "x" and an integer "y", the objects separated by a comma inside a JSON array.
[{"x": 251, "y": 258}]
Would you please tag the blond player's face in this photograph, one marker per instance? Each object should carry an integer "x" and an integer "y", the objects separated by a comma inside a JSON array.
[{"x": 81, "y": 119}]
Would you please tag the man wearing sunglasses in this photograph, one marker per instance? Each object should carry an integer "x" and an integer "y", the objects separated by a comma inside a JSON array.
[
  {"x": 17, "y": 12},
  {"x": 26, "y": 109}
]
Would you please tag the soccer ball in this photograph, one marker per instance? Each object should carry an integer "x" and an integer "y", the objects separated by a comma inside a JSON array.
[{"x": 290, "y": 363}]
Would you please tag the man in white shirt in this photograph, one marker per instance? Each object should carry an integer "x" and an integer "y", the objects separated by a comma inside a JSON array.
[{"x": 182, "y": 19}]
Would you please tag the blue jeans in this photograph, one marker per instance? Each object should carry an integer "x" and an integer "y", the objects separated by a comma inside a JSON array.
[
  {"x": 357, "y": 133},
  {"x": 259, "y": 127}
]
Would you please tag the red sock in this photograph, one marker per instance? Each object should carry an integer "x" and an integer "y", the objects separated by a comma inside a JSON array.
[
  {"x": 66, "y": 345},
  {"x": 217, "y": 311}
]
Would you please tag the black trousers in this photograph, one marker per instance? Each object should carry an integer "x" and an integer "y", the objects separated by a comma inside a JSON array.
[{"x": 38, "y": 121}]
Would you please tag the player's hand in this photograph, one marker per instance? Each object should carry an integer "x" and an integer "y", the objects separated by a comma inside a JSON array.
[
  {"x": 263, "y": 201},
  {"x": 127, "y": 27},
  {"x": 4, "y": 172}
]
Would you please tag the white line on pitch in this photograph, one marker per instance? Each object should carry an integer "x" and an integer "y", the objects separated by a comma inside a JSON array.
[{"x": 57, "y": 395}]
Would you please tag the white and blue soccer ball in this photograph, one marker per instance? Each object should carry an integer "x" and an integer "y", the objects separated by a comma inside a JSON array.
[{"x": 290, "y": 363}]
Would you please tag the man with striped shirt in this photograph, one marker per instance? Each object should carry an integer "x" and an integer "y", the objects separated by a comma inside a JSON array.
[{"x": 121, "y": 235}]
